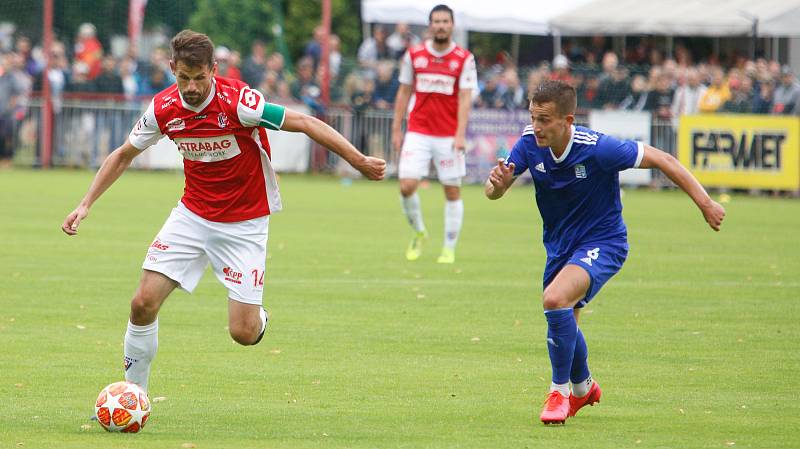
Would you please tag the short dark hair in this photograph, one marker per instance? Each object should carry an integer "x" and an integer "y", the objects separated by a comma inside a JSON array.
[
  {"x": 441, "y": 7},
  {"x": 558, "y": 92},
  {"x": 193, "y": 48}
]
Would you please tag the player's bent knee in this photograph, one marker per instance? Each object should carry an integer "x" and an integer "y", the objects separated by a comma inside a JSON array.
[
  {"x": 552, "y": 300},
  {"x": 408, "y": 187},
  {"x": 246, "y": 336},
  {"x": 144, "y": 309}
]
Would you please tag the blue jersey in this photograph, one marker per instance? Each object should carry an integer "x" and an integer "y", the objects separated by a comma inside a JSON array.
[{"x": 577, "y": 194}]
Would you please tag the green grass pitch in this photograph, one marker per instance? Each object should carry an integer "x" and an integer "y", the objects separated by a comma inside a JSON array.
[{"x": 694, "y": 342}]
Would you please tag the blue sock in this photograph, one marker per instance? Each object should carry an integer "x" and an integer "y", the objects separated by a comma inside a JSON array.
[
  {"x": 580, "y": 364},
  {"x": 562, "y": 331}
]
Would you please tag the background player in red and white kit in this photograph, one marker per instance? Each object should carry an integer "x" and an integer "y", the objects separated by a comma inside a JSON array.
[
  {"x": 442, "y": 77},
  {"x": 219, "y": 126}
]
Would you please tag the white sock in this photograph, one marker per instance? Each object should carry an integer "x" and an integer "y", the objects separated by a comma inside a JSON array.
[
  {"x": 581, "y": 389},
  {"x": 413, "y": 211},
  {"x": 141, "y": 343},
  {"x": 264, "y": 318},
  {"x": 453, "y": 217},
  {"x": 561, "y": 388}
]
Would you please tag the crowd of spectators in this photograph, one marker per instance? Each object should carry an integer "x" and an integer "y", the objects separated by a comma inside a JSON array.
[{"x": 643, "y": 81}]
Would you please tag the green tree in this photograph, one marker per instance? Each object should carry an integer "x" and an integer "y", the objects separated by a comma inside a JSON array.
[
  {"x": 234, "y": 23},
  {"x": 303, "y": 16}
]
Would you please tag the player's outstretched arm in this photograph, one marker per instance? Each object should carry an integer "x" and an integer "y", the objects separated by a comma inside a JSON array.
[
  {"x": 500, "y": 179},
  {"x": 115, "y": 164},
  {"x": 712, "y": 211},
  {"x": 372, "y": 167}
]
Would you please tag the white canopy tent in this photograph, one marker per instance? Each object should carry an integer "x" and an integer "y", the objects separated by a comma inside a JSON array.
[
  {"x": 775, "y": 18},
  {"x": 494, "y": 16}
]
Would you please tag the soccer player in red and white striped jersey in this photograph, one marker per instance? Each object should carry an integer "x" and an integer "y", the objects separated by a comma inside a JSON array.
[
  {"x": 219, "y": 126},
  {"x": 442, "y": 77}
]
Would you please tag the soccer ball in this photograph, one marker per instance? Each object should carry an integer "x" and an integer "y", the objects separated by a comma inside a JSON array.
[{"x": 122, "y": 407}]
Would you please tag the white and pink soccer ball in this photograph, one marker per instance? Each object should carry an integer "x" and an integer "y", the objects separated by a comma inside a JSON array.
[{"x": 122, "y": 407}]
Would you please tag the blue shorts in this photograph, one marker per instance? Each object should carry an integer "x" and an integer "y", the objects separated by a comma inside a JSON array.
[{"x": 600, "y": 260}]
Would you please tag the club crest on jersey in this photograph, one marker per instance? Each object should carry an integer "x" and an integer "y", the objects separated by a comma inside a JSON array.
[
  {"x": 420, "y": 62},
  {"x": 176, "y": 124},
  {"x": 580, "y": 171},
  {"x": 453, "y": 66},
  {"x": 222, "y": 120}
]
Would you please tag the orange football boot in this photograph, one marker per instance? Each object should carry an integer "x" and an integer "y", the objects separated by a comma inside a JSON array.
[
  {"x": 556, "y": 409},
  {"x": 592, "y": 397}
]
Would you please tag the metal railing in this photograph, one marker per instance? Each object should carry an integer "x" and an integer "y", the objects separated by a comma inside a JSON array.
[{"x": 86, "y": 131}]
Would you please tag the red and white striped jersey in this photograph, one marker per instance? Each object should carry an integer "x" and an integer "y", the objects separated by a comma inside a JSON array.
[
  {"x": 437, "y": 78},
  {"x": 226, "y": 154}
]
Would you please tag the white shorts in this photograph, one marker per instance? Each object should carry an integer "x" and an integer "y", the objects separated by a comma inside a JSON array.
[
  {"x": 419, "y": 149},
  {"x": 237, "y": 253}
]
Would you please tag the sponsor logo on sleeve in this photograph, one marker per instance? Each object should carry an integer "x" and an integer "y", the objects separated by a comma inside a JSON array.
[
  {"x": 208, "y": 149},
  {"x": 249, "y": 98}
]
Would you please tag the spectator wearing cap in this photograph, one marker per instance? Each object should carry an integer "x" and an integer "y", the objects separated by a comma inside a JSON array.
[
  {"x": 561, "y": 70},
  {"x": 787, "y": 94}
]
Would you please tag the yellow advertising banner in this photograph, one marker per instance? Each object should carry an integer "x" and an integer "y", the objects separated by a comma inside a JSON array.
[{"x": 742, "y": 151}]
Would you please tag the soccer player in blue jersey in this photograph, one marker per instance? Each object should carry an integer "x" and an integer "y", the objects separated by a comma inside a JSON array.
[{"x": 575, "y": 172}]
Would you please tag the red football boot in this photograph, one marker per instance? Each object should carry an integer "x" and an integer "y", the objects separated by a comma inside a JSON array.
[
  {"x": 593, "y": 396},
  {"x": 556, "y": 409}
]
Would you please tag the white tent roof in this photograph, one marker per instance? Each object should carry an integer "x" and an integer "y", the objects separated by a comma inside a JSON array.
[
  {"x": 778, "y": 18},
  {"x": 530, "y": 17}
]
